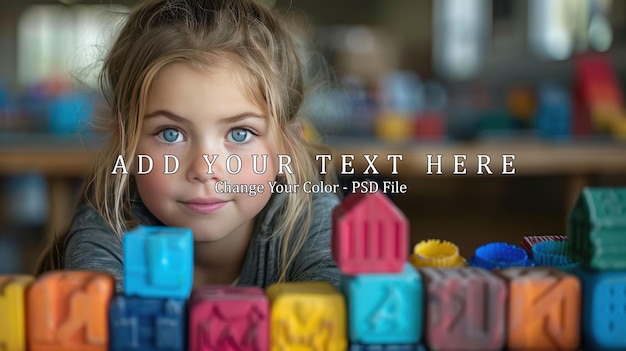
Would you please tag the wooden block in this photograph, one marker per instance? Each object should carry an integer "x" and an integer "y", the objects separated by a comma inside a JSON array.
[
  {"x": 307, "y": 316},
  {"x": 544, "y": 309},
  {"x": 385, "y": 308},
  {"x": 465, "y": 309},
  {"x": 12, "y": 311},
  {"x": 158, "y": 262},
  {"x": 228, "y": 319},
  {"x": 146, "y": 324},
  {"x": 68, "y": 310},
  {"x": 370, "y": 235}
]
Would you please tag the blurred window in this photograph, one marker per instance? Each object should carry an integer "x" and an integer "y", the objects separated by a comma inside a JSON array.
[
  {"x": 60, "y": 42},
  {"x": 559, "y": 28},
  {"x": 461, "y": 32}
]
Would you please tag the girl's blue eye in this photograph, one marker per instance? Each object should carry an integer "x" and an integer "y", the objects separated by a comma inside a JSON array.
[
  {"x": 240, "y": 135},
  {"x": 170, "y": 135}
]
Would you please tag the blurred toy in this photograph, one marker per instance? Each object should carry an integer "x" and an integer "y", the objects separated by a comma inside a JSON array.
[
  {"x": 436, "y": 253},
  {"x": 553, "y": 117},
  {"x": 600, "y": 101}
]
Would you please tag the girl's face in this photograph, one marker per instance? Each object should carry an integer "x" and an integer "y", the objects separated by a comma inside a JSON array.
[{"x": 193, "y": 115}]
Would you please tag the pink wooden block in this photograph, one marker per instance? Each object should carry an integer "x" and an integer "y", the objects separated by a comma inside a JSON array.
[
  {"x": 370, "y": 235},
  {"x": 228, "y": 319}
]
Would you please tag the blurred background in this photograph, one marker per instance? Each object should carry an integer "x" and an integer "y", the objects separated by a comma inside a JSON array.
[{"x": 540, "y": 79}]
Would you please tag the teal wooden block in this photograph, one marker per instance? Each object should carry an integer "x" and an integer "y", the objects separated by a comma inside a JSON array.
[
  {"x": 385, "y": 308},
  {"x": 597, "y": 224}
]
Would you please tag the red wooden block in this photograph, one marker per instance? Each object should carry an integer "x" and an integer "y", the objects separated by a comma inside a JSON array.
[
  {"x": 528, "y": 241},
  {"x": 228, "y": 319},
  {"x": 599, "y": 98},
  {"x": 68, "y": 310},
  {"x": 429, "y": 126},
  {"x": 465, "y": 309},
  {"x": 370, "y": 235}
]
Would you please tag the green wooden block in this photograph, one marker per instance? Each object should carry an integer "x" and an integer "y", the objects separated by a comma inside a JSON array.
[{"x": 597, "y": 229}]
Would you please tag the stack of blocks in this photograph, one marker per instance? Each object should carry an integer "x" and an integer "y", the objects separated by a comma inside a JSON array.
[
  {"x": 597, "y": 237},
  {"x": 383, "y": 291},
  {"x": 158, "y": 276}
]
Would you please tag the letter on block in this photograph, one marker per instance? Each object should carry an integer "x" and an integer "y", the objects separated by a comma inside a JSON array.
[
  {"x": 603, "y": 317},
  {"x": 307, "y": 316},
  {"x": 68, "y": 310},
  {"x": 13, "y": 312},
  {"x": 544, "y": 309},
  {"x": 465, "y": 309},
  {"x": 228, "y": 319},
  {"x": 144, "y": 324},
  {"x": 158, "y": 262},
  {"x": 385, "y": 308},
  {"x": 370, "y": 235}
]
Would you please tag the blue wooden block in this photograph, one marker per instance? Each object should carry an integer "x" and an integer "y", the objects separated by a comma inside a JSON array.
[
  {"x": 604, "y": 309},
  {"x": 146, "y": 324},
  {"x": 389, "y": 347},
  {"x": 384, "y": 308},
  {"x": 554, "y": 113},
  {"x": 158, "y": 262}
]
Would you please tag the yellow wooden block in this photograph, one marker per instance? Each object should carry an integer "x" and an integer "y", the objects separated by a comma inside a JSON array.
[
  {"x": 394, "y": 127},
  {"x": 12, "y": 311},
  {"x": 307, "y": 316}
]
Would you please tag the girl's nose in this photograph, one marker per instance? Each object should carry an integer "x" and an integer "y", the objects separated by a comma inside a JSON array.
[{"x": 204, "y": 167}]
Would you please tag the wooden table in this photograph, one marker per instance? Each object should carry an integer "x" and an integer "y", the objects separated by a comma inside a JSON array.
[{"x": 62, "y": 160}]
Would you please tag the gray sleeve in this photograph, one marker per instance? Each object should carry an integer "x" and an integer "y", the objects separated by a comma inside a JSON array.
[
  {"x": 315, "y": 262},
  {"x": 91, "y": 245}
]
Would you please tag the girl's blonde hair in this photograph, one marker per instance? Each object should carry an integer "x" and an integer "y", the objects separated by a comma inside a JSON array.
[{"x": 202, "y": 33}]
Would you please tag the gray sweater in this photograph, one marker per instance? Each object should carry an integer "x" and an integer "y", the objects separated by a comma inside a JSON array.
[{"x": 92, "y": 245}]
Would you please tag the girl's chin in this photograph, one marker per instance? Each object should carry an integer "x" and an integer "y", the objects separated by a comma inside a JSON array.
[{"x": 207, "y": 237}]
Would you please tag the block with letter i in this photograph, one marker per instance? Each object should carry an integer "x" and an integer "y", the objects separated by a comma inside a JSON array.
[
  {"x": 13, "y": 311},
  {"x": 228, "y": 319},
  {"x": 306, "y": 316},
  {"x": 158, "y": 274},
  {"x": 543, "y": 308},
  {"x": 67, "y": 311}
]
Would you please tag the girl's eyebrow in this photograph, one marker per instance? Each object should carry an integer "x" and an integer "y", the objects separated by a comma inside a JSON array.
[
  {"x": 174, "y": 117},
  {"x": 228, "y": 120}
]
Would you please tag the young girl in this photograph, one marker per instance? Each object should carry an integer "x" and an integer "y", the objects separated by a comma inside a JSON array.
[{"x": 202, "y": 80}]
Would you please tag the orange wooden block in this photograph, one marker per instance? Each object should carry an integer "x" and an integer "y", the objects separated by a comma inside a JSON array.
[
  {"x": 544, "y": 309},
  {"x": 68, "y": 311}
]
